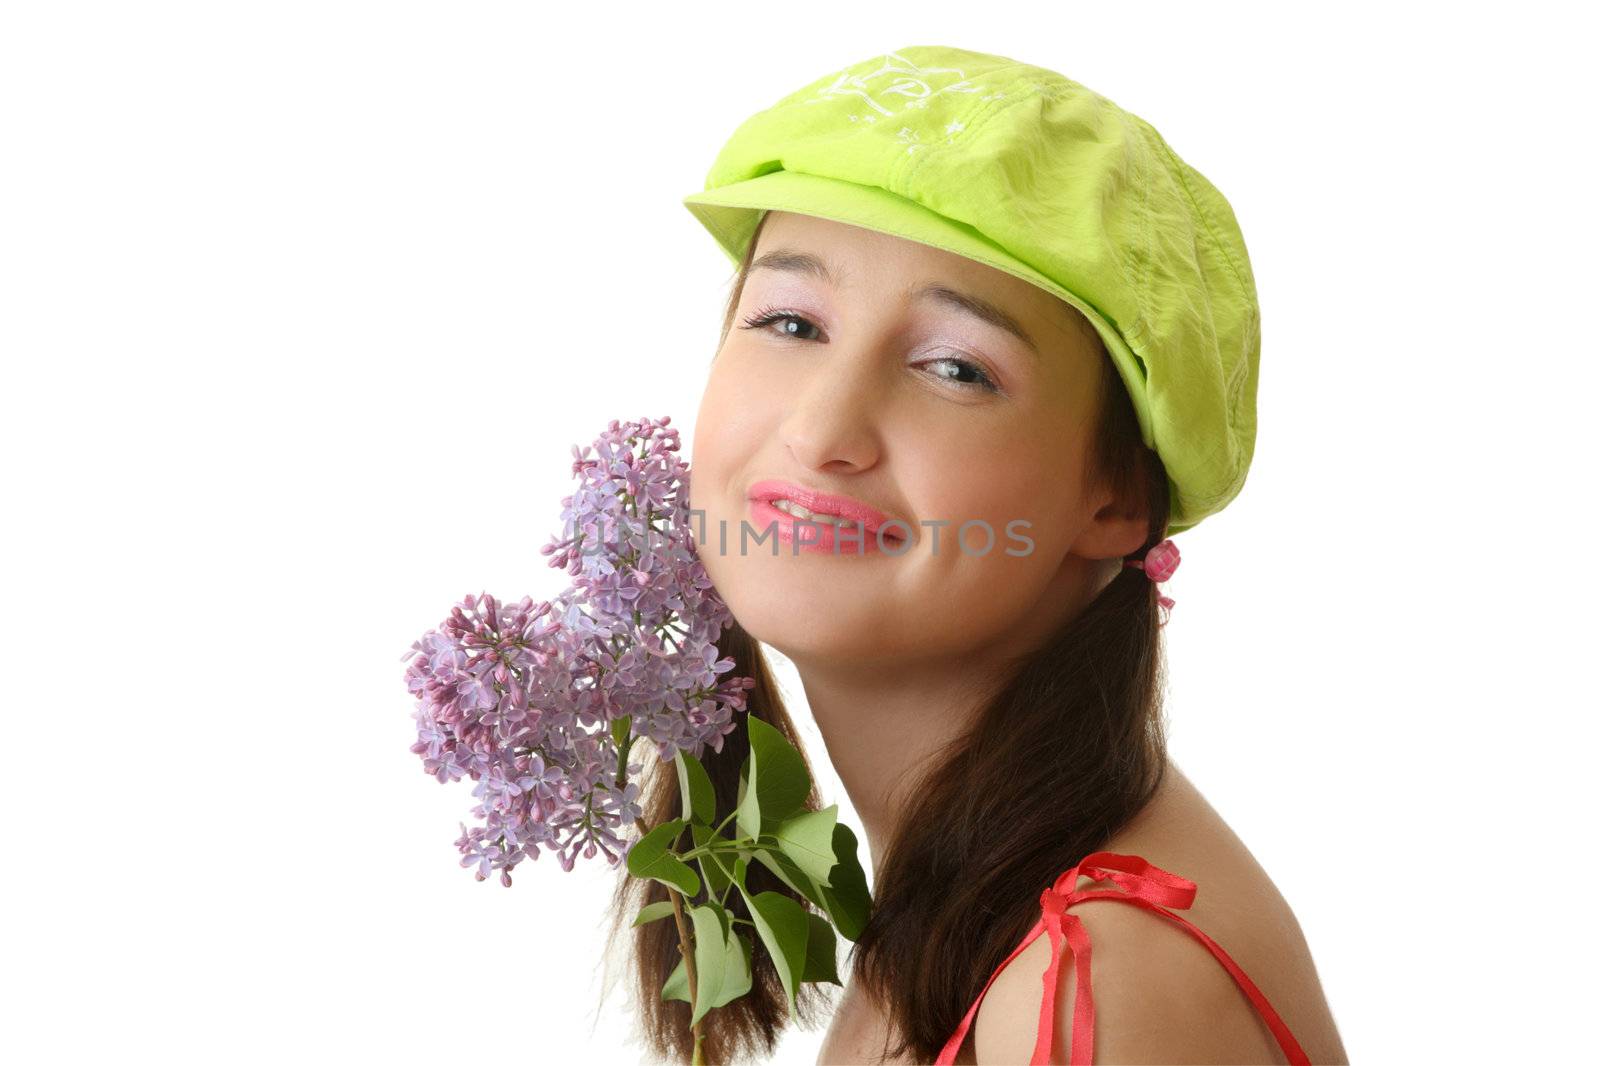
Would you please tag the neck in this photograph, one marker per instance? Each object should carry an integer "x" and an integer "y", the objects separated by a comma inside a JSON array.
[
  {"x": 884, "y": 722},
  {"x": 882, "y": 728}
]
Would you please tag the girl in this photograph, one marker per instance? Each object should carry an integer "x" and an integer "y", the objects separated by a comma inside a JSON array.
[{"x": 989, "y": 344}]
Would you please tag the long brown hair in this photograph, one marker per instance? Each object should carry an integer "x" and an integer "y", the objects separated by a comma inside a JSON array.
[{"x": 1079, "y": 722}]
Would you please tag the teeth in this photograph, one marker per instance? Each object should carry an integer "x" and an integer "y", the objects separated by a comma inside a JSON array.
[{"x": 795, "y": 509}]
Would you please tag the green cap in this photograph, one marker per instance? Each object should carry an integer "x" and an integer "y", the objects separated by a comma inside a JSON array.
[{"x": 1029, "y": 172}]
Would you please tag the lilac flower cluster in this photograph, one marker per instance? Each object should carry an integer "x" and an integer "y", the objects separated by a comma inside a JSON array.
[{"x": 540, "y": 702}]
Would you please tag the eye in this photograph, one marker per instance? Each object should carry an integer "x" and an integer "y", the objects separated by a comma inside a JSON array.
[
  {"x": 963, "y": 372},
  {"x": 768, "y": 315},
  {"x": 961, "y": 366}
]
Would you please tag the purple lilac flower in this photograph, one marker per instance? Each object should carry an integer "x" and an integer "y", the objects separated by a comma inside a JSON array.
[{"x": 521, "y": 697}]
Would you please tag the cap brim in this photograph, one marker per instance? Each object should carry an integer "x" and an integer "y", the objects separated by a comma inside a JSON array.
[{"x": 732, "y": 212}]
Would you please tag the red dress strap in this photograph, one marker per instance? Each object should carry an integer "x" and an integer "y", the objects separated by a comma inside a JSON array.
[{"x": 1140, "y": 883}]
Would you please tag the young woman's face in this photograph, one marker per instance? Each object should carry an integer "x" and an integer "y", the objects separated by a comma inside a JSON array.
[{"x": 919, "y": 409}]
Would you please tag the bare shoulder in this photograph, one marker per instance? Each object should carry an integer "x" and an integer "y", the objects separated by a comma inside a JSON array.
[
  {"x": 1159, "y": 996},
  {"x": 1159, "y": 993}
]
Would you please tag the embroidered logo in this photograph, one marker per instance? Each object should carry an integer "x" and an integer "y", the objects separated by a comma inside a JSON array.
[{"x": 896, "y": 87}]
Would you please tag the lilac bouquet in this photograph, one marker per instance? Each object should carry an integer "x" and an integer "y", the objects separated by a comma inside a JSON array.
[{"x": 540, "y": 703}]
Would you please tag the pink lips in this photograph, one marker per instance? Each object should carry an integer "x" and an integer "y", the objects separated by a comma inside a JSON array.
[{"x": 821, "y": 536}]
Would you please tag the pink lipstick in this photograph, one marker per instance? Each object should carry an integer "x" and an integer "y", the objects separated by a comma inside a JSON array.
[{"x": 821, "y": 533}]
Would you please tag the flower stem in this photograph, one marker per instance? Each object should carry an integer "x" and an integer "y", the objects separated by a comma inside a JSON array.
[
  {"x": 622, "y": 760},
  {"x": 687, "y": 950},
  {"x": 723, "y": 845}
]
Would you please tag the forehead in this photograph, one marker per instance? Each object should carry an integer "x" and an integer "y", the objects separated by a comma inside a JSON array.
[{"x": 860, "y": 255}]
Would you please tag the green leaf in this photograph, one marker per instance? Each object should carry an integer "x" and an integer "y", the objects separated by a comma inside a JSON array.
[
  {"x": 807, "y": 840},
  {"x": 846, "y": 898},
  {"x": 620, "y": 728},
  {"x": 736, "y": 976},
  {"x": 721, "y": 960},
  {"x": 778, "y": 782},
  {"x": 747, "y": 815},
  {"x": 677, "y": 986},
  {"x": 653, "y": 912},
  {"x": 822, "y": 952},
  {"x": 710, "y": 956},
  {"x": 792, "y": 875},
  {"x": 782, "y": 924},
  {"x": 650, "y": 858},
  {"x": 699, "y": 798}
]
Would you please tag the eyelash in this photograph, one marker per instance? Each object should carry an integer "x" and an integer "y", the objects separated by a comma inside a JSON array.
[{"x": 768, "y": 315}]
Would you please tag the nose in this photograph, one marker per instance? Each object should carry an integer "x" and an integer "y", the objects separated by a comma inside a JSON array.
[{"x": 833, "y": 420}]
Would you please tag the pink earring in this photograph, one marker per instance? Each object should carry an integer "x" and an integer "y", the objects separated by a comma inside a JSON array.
[{"x": 1158, "y": 565}]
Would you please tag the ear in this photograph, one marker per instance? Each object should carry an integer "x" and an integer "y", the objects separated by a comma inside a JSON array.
[{"x": 1119, "y": 527}]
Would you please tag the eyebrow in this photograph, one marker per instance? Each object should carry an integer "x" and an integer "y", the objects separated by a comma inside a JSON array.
[{"x": 793, "y": 262}]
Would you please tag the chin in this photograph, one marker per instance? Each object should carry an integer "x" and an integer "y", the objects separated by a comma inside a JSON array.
[{"x": 802, "y": 619}]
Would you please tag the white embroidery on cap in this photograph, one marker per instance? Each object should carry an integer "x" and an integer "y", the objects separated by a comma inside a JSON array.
[{"x": 909, "y": 85}]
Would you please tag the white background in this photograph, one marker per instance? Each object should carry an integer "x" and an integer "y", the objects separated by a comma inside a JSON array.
[{"x": 303, "y": 305}]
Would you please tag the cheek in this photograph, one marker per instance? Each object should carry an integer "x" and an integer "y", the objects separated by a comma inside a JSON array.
[
  {"x": 739, "y": 402},
  {"x": 736, "y": 415},
  {"x": 998, "y": 480},
  {"x": 1023, "y": 505},
  {"x": 741, "y": 411}
]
